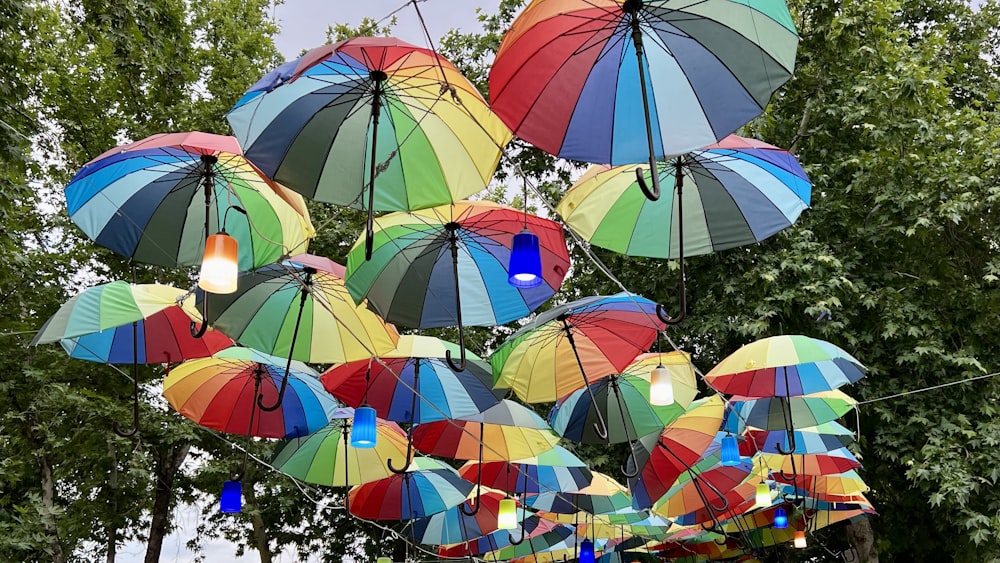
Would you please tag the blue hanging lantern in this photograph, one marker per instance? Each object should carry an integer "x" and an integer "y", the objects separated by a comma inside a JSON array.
[
  {"x": 730, "y": 451},
  {"x": 232, "y": 496},
  {"x": 780, "y": 519},
  {"x": 363, "y": 429},
  {"x": 525, "y": 268},
  {"x": 586, "y": 552}
]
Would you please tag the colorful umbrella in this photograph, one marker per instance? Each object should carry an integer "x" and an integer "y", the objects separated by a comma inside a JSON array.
[
  {"x": 601, "y": 496},
  {"x": 784, "y": 366},
  {"x": 814, "y": 439},
  {"x": 828, "y": 463},
  {"x": 737, "y": 192},
  {"x": 770, "y": 413},
  {"x": 222, "y": 392},
  {"x": 848, "y": 483},
  {"x": 511, "y": 432},
  {"x": 299, "y": 309},
  {"x": 108, "y": 306},
  {"x": 426, "y": 260},
  {"x": 326, "y": 457},
  {"x": 341, "y": 116},
  {"x": 569, "y": 75},
  {"x": 591, "y": 337},
  {"x": 500, "y": 539},
  {"x": 661, "y": 458},
  {"x": 456, "y": 525},
  {"x": 156, "y": 200},
  {"x": 417, "y": 364},
  {"x": 163, "y": 338},
  {"x": 556, "y": 469},
  {"x": 507, "y": 431},
  {"x": 427, "y": 487},
  {"x": 623, "y": 400}
]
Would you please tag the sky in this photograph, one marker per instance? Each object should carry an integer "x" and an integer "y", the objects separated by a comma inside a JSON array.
[
  {"x": 303, "y": 26},
  {"x": 304, "y": 22}
]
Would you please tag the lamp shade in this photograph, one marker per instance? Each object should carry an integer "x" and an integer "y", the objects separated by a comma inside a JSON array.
[
  {"x": 780, "y": 519},
  {"x": 384, "y": 560},
  {"x": 800, "y": 539},
  {"x": 232, "y": 496},
  {"x": 661, "y": 387},
  {"x": 220, "y": 266},
  {"x": 525, "y": 269},
  {"x": 730, "y": 451},
  {"x": 763, "y": 497},
  {"x": 363, "y": 429},
  {"x": 586, "y": 551},
  {"x": 507, "y": 514}
]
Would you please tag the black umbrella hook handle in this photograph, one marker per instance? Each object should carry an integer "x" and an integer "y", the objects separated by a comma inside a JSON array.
[
  {"x": 409, "y": 431},
  {"x": 306, "y": 284},
  {"x": 510, "y": 538},
  {"x": 600, "y": 427},
  {"x": 479, "y": 477},
  {"x": 661, "y": 311},
  {"x": 452, "y": 228}
]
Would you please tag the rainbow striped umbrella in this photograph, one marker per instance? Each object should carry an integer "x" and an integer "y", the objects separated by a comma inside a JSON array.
[
  {"x": 366, "y": 112},
  {"x": 426, "y": 488},
  {"x": 623, "y": 81},
  {"x": 509, "y": 430},
  {"x": 736, "y": 192},
  {"x": 556, "y": 469},
  {"x": 222, "y": 392},
  {"x": 784, "y": 366},
  {"x": 156, "y": 200},
  {"x": 603, "y": 495},
  {"x": 457, "y": 525}
]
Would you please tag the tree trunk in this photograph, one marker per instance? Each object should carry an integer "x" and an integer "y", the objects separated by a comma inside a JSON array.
[
  {"x": 167, "y": 464},
  {"x": 112, "y": 521},
  {"x": 862, "y": 539},
  {"x": 259, "y": 529},
  {"x": 48, "y": 501}
]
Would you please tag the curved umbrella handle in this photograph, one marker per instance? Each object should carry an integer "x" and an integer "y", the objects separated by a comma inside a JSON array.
[
  {"x": 634, "y": 472},
  {"x": 651, "y": 194},
  {"x": 600, "y": 427},
  {"x": 135, "y": 384},
  {"x": 786, "y": 413},
  {"x": 291, "y": 347},
  {"x": 460, "y": 366},
  {"x": 199, "y": 332},
  {"x": 722, "y": 497},
  {"x": 510, "y": 538},
  {"x": 409, "y": 431},
  {"x": 682, "y": 293},
  {"x": 479, "y": 477},
  {"x": 409, "y": 456}
]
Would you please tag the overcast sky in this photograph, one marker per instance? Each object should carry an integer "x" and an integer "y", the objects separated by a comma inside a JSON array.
[{"x": 304, "y": 22}]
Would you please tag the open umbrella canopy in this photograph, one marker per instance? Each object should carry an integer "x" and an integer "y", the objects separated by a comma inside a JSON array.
[
  {"x": 327, "y": 122},
  {"x": 601, "y": 496},
  {"x": 575, "y": 344},
  {"x": 326, "y": 457},
  {"x": 848, "y": 483},
  {"x": 811, "y": 440},
  {"x": 556, "y": 469},
  {"x": 736, "y": 192},
  {"x": 566, "y": 77},
  {"x": 163, "y": 338},
  {"x": 418, "y": 363},
  {"x": 785, "y": 366},
  {"x": 456, "y": 526},
  {"x": 437, "y": 267},
  {"x": 299, "y": 308},
  {"x": 427, "y": 487},
  {"x": 156, "y": 200},
  {"x": 661, "y": 458},
  {"x": 508, "y": 431},
  {"x": 827, "y": 463},
  {"x": 108, "y": 306},
  {"x": 806, "y": 411},
  {"x": 534, "y": 527},
  {"x": 553, "y": 545},
  {"x": 222, "y": 392},
  {"x": 623, "y": 400}
]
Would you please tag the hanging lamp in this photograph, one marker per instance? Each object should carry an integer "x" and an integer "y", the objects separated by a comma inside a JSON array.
[
  {"x": 730, "y": 451},
  {"x": 525, "y": 267},
  {"x": 220, "y": 264},
  {"x": 507, "y": 514},
  {"x": 780, "y": 519}
]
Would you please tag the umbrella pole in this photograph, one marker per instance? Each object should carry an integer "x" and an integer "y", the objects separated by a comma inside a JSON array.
[
  {"x": 208, "y": 182},
  {"x": 602, "y": 427},
  {"x": 634, "y": 472},
  {"x": 306, "y": 284},
  {"x": 632, "y": 7},
  {"x": 510, "y": 538},
  {"x": 135, "y": 382},
  {"x": 347, "y": 479},
  {"x": 479, "y": 476},
  {"x": 682, "y": 297},
  {"x": 378, "y": 77},
  {"x": 452, "y": 228},
  {"x": 712, "y": 509},
  {"x": 413, "y": 417}
]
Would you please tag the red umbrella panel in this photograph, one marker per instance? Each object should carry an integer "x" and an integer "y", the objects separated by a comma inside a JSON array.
[
  {"x": 661, "y": 458},
  {"x": 426, "y": 488}
]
